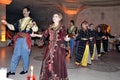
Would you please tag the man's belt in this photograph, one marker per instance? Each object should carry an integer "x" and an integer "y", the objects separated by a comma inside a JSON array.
[
  {"x": 71, "y": 35},
  {"x": 84, "y": 39},
  {"x": 98, "y": 38},
  {"x": 21, "y": 34}
]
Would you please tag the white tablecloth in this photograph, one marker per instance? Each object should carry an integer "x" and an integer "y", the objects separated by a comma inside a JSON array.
[{"x": 9, "y": 79}]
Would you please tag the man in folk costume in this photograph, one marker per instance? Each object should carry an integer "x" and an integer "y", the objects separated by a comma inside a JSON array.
[
  {"x": 72, "y": 31},
  {"x": 22, "y": 41},
  {"x": 83, "y": 38}
]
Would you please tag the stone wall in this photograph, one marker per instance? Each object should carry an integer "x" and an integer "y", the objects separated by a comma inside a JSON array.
[{"x": 101, "y": 15}]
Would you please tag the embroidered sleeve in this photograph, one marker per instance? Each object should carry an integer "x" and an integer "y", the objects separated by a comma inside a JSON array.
[{"x": 11, "y": 27}]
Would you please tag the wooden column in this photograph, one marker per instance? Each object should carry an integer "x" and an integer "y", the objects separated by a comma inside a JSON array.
[
  {"x": 3, "y": 4},
  {"x": 2, "y": 27}
]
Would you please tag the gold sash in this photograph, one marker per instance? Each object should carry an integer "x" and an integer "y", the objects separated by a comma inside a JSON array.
[{"x": 24, "y": 24}]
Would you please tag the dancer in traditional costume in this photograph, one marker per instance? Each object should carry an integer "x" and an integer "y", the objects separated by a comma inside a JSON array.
[
  {"x": 53, "y": 63},
  {"x": 98, "y": 39},
  {"x": 92, "y": 38},
  {"x": 22, "y": 41},
  {"x": 83, "y": 38},
  {"x": 105, "y": 38}
]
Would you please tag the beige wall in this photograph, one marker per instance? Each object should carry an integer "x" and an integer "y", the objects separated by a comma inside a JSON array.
[{"x": 100, "y": 15}]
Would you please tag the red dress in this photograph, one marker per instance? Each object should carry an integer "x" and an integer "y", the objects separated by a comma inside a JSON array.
[{"x": 53, "y": 63}]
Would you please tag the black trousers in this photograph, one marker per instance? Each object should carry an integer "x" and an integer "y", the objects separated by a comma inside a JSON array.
[
  {"x": 98, "y": 44},
  {"x": 91, "y": 46},
  {"x": 105, "y": 45}
]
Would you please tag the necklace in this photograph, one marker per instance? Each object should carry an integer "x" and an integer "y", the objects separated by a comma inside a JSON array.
[{"x": 54, "y": 27}]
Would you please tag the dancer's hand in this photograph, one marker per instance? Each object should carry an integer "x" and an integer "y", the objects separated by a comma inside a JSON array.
[
  {"x": 39, "y": 35},
  {"x": 115, "y": 35},
  {"x": 62, "y": 45},
  {"x": 32, "y": 24},
  {"x": 4, "y": 22},
  {"x": 91, "y": 38},
  {"x": 67, "y": 38},
  {"x": 33, "y": 35}
]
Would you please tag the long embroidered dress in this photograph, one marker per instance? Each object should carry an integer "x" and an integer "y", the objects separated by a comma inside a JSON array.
[
  {"x": 82, "y": 44},
  {"x": 53, "y": 64}
]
